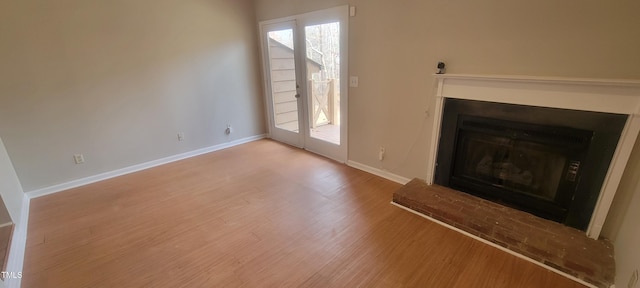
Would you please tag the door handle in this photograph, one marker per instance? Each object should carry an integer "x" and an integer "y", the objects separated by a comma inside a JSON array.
[{"x": 297, "y": 95}]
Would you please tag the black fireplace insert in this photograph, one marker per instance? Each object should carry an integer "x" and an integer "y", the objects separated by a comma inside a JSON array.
[
  {"x": 534, "y": 167},
  {"x": 546, "y": 161}
]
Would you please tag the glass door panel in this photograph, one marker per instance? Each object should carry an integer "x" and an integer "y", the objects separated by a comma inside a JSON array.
[
  {"x": 283, "y": 79},
  {"x": 323, "y": 81},
  {"x": 303, "y": 71},
  {"x": 281, "y": 76}
]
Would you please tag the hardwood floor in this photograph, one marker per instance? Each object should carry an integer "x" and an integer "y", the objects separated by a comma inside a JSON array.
[{"x": 258, "y": 215}]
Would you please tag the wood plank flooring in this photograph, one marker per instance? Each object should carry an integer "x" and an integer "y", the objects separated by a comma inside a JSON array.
[{"x": 261, "y": 214}]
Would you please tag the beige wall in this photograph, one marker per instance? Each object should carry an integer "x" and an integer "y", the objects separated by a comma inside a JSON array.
[
  {"x": 10, "y": 189},
  {"x": 117, "y": 80},
  {"x": 391, "y": 43},
  {"x": 622, "y": 223},
  {"x": 15, "y": 201},
  {"x": 627, "y": 254},
  {"x": 547, "y": 38}
]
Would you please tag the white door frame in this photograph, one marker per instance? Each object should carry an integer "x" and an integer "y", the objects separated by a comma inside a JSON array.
[
  {"x": 291, "y": 138},
  {"x": 341, "y": 14}
]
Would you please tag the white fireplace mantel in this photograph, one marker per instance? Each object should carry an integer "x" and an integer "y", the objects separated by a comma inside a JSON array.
[{"x": 598, "y": 95}]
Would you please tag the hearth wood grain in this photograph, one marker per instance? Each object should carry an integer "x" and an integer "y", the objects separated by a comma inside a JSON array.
[{"x": 258, "y": 215}]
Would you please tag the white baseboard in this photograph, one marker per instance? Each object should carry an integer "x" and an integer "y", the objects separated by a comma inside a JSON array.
[
  {"x": 497, "y": 246},
  {"x": 138, "y": 167},
  {"x": 18, "y": 246},
  {"x": 378, "y": 172}
]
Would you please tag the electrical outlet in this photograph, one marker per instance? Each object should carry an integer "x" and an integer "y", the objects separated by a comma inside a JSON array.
[
  {"x": 228, "y": 130},
  {"x": 633, "y": 280},
  {"x": 180, "y": 136},
  {"x": 381, "y": 153},
  {"x": 78, "y": 158},
  {"x": 353, "y": 81}
]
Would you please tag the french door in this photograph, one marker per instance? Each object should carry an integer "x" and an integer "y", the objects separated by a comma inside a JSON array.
[{"x": 305, "y": 72}]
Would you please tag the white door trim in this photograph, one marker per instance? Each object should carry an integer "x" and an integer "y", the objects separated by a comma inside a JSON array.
[
  {"x": 341, "y": 14},
  {"x": 291, "y": 138}
]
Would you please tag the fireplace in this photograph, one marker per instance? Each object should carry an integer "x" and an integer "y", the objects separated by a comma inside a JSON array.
[
  {"x": 546, "y": 161},
  {"x": 532, "y": 167},
  {"x": 554, "y": 147}
]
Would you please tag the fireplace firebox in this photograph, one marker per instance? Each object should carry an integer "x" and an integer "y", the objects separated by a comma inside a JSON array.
[
  {"x": 534, "y": 167},
  {"x": 546, "y": 161}
]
